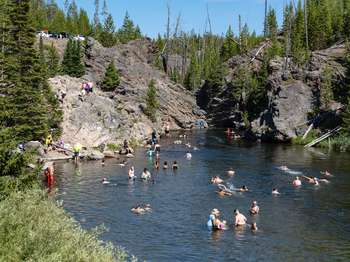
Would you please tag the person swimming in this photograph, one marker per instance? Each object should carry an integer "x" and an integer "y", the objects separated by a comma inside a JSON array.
[
  {"x": 284, "y": 168},
  {"x": 103, "y": 162},
  {"x": 216, "y": 180},
  {"x": 165, "y": 165},
  {"x": 240, "y": 219},
  {"x": 145, "y": 174},
  {"x": 188, "y": 155},
  {"x": 175, "y": 166},
  {"x": 275, "y": 191},
  {"x": 105, "y": 181},
  {"x": 296, "y": 182},
  {"x": 326, "y": 173},
  {"x": 242, "y": 189},
  {"x": 254, "y": 208},
  {"x": 131, "y": 173},
  {"x": 122, "y": 164},
  {"x": 224, "y": 192},
  {"x": 141, "y": 209},
  {"x": 231, "y": 172}
]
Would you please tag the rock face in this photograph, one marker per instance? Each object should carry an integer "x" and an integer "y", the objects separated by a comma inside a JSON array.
[
  {"x": 292, "y": 96},
  {"x": 102, "y": 118}
]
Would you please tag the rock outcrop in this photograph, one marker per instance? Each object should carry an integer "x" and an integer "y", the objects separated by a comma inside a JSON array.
[
  {"x": 101, "y": 117},
  {"x": 292, "y": 96}
]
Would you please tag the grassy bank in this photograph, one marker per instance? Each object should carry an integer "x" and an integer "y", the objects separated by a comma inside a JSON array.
[{"x": 33, "y": 228}]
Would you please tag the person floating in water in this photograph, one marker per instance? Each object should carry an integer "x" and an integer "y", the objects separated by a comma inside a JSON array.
[
  {"x": 165, "y": 165},
  {"x": 131, "y": 173},
  {"x": 296, "y": 182},
  {"x": 254, "y": 208},
  {"x": 224, "y": 192},
  {"x": 188, "y": 155},
  {"x": 141, "y": 209},
  {"x": 275, "y": 191},
  {"x": 231, "y": 172},
  {"x": 216, "y": 180},
  {"x": 326, "y": 173},
  {"x": 315, "y": 180},
  {"x": 242, "y": 189},
  {"x": 145, "y": 174},
  {"x": 105, "y": 181},
  {"x": 240, "y": 219},
  {"x": 175, "y": 166}
]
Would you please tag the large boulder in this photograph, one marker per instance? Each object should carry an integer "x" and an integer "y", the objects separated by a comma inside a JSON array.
[{"x": 290, "y": 104}]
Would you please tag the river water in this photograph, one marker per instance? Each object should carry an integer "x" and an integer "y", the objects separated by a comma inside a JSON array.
[{"x": 305, "y": 224}]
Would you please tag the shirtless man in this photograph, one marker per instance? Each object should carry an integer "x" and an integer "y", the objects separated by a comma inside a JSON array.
[
  {"x": 131, "y": 173},
  {"x": 240, "y": 219},
  {"x": 313, "y": 180},
  {"x": 275, "y": 192},
  {"x": 254, "y": 208}
]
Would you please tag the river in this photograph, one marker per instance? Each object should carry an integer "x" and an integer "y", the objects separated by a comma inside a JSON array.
[{"x": 310, "y": 223}]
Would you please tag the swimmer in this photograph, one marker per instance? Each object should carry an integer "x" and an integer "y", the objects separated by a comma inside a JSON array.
[
  {"x": 105, "y": 181},
  {"x": 216, "y": 180},
  {"x": 310, "y": 180},
  {"x": 242, "y": 189},
  {"x": 188, "y": 155},
  {"x": 103, "y": 162},
  {"x": 175, "y": 166},
  {"x": 223, "y": 192},
  {"x": 141, "y": 209},
  {"x": 195, "y": 148},
  {"x": 326, "y": 173},
  {"x": 254, "y": 227},
  {"x": 240, "y": 219},
  {"x": 188, "y": 145},
  {"x": 131, "y": 173},
  {"x": 165, "y": 165},
  {"x": 216, "y": 222},
  {"x": 275, "y": 192},
  {"x": 231, "y": 172},
  {"x": 284, "y": 168},
  {"x": 296, "y": 182},
  {"x": 254, "y": 208},
  {"x": 145, "y": 174}
]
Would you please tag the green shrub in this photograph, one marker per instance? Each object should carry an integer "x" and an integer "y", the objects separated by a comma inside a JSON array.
[
  {"x": 114, "y": 147},
  {"x": 152, "y": 103},
  {"x": 33, "y": 228},
  {"x": 310, "y": 137}
]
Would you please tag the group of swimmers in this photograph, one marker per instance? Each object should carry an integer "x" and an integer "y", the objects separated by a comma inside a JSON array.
[{"x": 239, "y": 220}]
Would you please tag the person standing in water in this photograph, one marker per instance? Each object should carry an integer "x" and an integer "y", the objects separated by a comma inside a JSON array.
[
  {"x": 240, "y": 219},
  {"x": 76, "y": 151},
  {"x": 131, "y": 173},
  {"x": 175, "y": 166},
  {"x": 254, "y": 208}
]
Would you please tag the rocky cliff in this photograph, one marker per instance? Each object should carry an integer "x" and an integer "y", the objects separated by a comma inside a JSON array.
[
  {"x": 101, "y": 117},
  {"x": 293, "y": 94}
]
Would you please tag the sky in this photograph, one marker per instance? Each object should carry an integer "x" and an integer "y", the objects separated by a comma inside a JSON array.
[{"x": 151, "y": 15}]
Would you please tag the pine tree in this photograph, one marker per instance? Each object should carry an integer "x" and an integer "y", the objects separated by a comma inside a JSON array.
[
  {"x": 272, "y": 26},
  {"x": 128, "y": 31},
  {"x": 84, "y": 26},
  {"x": 52, "y": 60},
  {"x": 26, "y": 115},
  {"x": 152, "y": 103},
  {"x": 193, "y": 75},
  {"x": 111, "y": 79},
  {"x": 229, "y": 48},
  {"x": 326, "y": 92},
  {"x": 298, "y": 36},
  {"x": 107, "y": 35},
  {"x": 72, "y": 64}
]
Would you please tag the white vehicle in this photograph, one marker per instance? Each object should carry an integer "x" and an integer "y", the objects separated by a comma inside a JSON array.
[
  {"x": 44, "y": 34},
  {"x": 79, "y": 38}
]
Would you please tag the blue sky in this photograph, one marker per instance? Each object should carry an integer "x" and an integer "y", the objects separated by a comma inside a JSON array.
[{"x": 151, "y": 15}]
